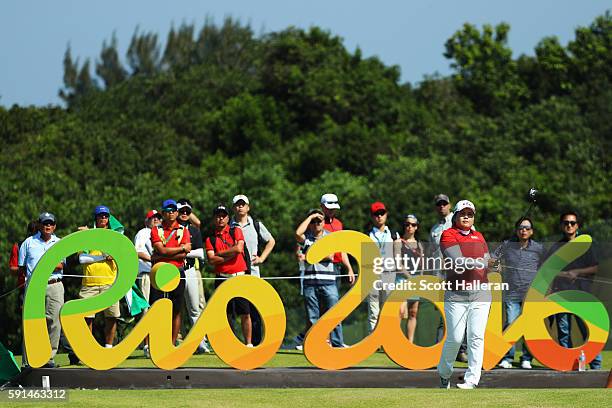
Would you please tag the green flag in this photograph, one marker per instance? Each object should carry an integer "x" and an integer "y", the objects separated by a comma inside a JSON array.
[{"x": 8, "y": 366}]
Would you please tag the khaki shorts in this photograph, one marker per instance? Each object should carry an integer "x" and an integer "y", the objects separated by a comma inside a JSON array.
[{"x": 91, "y": 291}]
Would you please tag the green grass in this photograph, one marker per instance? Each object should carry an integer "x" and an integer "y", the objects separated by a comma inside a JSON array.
[
  {"x": 284, "y": 358},
  {"x": 352, "y": 398}
]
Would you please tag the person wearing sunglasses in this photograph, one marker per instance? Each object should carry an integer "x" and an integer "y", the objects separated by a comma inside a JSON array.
[
  {"x": 520, "y": 257},
  {"x": 318, "y": 280},
  {"x": 442, "y": 205},
  {"x": 465, "y": 307},
  {"x": 225, "y": 251},
  {"x": 578, "y": 275},
  {"x": 195, "y": 300},
  {"x": 144, "y": 249},
  {"x": 100, "y": 273},
  {"x": 443, "y": 209},
  {"x": 413, "y": 252},
  {"x": 30, "y": 252},
  {"x": 171, "y": 243},
  {"x": 387, "y": 243},
  {"x": 330, "y": 205},
  {"x": 258, "y": 243}
]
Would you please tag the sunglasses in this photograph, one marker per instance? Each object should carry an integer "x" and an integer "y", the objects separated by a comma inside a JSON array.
[
  {"x": 411, "y": 224},
  {"x": 102, "y": 215},
  {"x": 379, "y": 213},
  {"x": 316, "y": 221},
  {"x": 48, "y": 223},
  {"x": 441, "y": 203},
  {"x": 467, "y": 215},
  {"x": 572, "y": 223},
  {"x": 186, "y": 211},
  {"x": 524, "y": 227},
  {"x": 169, "y": 210}
]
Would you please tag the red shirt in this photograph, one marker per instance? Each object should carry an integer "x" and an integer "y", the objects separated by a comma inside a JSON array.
[
  {"x": 14, "y": 263},
  {"x": 223, "y": 242},
  {"x": 332, "y": 226},
  {"x": 170, "y": 240},
  {"x": 472, "y": 245}
]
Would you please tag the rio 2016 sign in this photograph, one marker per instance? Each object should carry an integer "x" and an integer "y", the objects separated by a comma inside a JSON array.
[{"x": 156, "y": 323}]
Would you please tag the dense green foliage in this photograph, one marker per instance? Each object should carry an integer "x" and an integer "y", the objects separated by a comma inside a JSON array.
[{"x": 289, "y": 115}]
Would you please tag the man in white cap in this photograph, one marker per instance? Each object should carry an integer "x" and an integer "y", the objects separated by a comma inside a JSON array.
[
  {"x": 144, "y": 248},
  {"x": 329, "y": 205},
  {"x": 30, "y": 252},
  {"x": 255, "y": 235}
]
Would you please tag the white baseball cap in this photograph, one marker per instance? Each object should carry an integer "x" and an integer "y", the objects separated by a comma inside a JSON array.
[
  {"x": 464, "y": 204},
  {"x": 240, "y": 197},
  {"x": 330, "y": 201}
]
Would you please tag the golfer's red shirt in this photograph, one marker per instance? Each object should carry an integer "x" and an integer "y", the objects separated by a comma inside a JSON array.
[{"x": 472, "y": 245}]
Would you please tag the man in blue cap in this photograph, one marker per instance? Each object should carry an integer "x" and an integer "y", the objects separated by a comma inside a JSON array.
[
  {"x": 30, "y": 252},
  {"x": 171, "y": 243}
]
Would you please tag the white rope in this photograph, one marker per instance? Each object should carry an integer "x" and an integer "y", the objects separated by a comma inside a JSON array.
[{"x": 222, "y": 278}]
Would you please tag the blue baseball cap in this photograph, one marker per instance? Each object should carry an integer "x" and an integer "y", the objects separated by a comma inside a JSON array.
[
  {"x": 169, "y": 203},
  {"x": 101, "y": 209}
]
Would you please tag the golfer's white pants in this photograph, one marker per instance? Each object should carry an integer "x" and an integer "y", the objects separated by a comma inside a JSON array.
[{"x": 461, "y": 309}]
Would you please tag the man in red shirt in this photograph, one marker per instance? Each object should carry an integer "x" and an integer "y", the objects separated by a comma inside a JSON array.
[
  {"x": 225, "y": 251},
  {"x": 171, "y": 243},
  {"x": 329, "y": 205}
]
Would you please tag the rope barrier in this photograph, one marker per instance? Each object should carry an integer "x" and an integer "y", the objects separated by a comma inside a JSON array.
[{"x": 419, "y": 272}]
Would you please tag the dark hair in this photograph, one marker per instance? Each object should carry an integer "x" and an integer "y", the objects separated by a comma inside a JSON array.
[
  {"x": 32, "y": 227},
  {"x": 184, "y": 201},
  {"x": 315, "y": 211},
  {"x": 520, "y": 220},
  {"x": 570, "y": 212}
]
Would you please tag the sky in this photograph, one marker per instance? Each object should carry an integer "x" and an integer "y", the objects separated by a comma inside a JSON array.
[{"x": 34, "y": 34}]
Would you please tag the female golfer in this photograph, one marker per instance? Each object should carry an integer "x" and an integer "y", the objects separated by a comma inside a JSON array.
[{"x": 464, "y": 304}]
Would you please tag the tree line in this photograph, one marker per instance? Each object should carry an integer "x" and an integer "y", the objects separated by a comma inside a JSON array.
[{"x": 286, "y": 116}]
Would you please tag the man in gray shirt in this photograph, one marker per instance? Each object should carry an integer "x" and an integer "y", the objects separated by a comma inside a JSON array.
[
  {"x": 255, "y": 232},
  {"x": 521, "y": 257},
  {"x": 445, "y": 217},
  {"x": 443, "y": 208}
]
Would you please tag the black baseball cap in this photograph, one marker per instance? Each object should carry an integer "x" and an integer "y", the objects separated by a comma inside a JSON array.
[{"x": 220, "y": 209}]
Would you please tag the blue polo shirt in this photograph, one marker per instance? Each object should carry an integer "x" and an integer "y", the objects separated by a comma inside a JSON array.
[{"x": 32, "y": 249}]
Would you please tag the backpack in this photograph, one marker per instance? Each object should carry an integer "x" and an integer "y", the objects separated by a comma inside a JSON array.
[
  {"x": 260, "y": 241},
  {"x": 179, "y": 234},
  {"x": 245, "y": 253}
]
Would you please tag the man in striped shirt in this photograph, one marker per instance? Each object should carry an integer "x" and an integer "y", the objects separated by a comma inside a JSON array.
[{"x": 319, "y": 282}]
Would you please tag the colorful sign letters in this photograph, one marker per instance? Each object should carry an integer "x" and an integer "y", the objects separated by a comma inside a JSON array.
[{"x": 213, "y": 322}]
